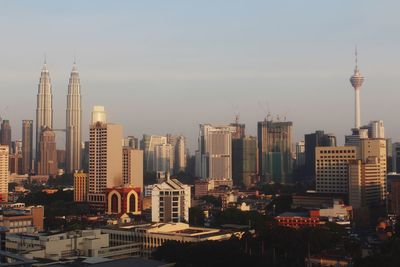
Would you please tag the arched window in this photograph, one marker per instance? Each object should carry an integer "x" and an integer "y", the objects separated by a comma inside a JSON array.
[
  {"x": 132, "y": 203},
  {"x": 114, "y": 203}
]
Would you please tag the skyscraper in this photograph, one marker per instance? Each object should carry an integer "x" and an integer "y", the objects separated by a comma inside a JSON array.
[
  {"x": 27, "y": 146},
  {"x": 47, "y": 163},
  {"x": 4, "y": 174},
  {"x": 367, "y": 174},
  {"x": 215, "y": 153},
  {"x": 376, "y": 129},
  {"x": 6, "y": 134},
  {"x": 356, "y": 81},
  {"x": 275, "y": 150},
  {"x": 244, "y": 160},
  {"x": 44, "y": 108},
  {"x": 73, "y": 123},
  {"x": 163, "y": 159},
  {"x": 180, "y": 154},
  {"x": 132, "y": 167},
  {"x": 105, "y": 158},
  {"x": 313, "y": 140},
  {"x": 148, "y": 144}
]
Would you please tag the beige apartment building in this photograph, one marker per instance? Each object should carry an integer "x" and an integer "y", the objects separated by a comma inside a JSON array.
[
  {"x": 367, "y": 174},
  {"x": 332, "y": 171},
  {"x": 105, "y": 161},
  {"x": 132, "y": 163}
]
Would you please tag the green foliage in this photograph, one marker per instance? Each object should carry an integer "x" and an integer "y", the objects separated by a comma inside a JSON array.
[
  {"x": 234, "y": 216},
  {"x": 216, "y": 202},
  {"x": 67, "y": 179},
  {"x": 196, "y": 216},
  {"x": 388, "y": 255}
]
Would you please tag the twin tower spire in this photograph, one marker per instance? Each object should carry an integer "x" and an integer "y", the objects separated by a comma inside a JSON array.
[{"x": 73, "y": 128}]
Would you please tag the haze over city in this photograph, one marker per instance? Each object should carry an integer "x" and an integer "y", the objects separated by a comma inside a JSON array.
[{"x": 167, "y": 66}]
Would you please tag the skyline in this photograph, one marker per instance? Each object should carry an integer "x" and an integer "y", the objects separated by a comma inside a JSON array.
[{"x": 171, "y": 55}]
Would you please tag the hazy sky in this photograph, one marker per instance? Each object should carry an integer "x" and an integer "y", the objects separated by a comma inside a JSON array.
[{"x": 167, "y": 66}]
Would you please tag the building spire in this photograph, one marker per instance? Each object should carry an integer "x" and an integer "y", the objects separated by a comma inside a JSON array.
[{"x": 356, "y": 59}]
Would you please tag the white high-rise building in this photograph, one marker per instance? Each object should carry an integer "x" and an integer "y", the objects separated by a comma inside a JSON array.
[
  {"x": 215, "y": 153},
  {"x": 170, "y": 201},
  {"x": 376, "y": 129},
  {"x": 73, "y": 123},
  {"x": 180, "y": 154},
  {"x": 149, "y": 142},
  {"x": 44, "y": 108},
  {"x": 98, "y": 115},
  {"x": 4, "y": 173},
  {"x": 163, "y": 159}
]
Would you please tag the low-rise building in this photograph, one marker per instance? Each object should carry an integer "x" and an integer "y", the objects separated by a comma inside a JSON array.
[
  {"x": 170, "y": 201},
  {"x": 87, "y": 243},
  {"x": 152, "y": 236},
  {"x": 23, "y": 220},
  {"x": 297, "y": 220}
]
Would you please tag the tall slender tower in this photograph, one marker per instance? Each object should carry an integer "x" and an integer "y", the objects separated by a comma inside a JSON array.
[
  {"x": 27, "y": 140},
  {"x": 44, "y": 108},
  {"x": 356, "y": 81},
  {"x": 73, "y": 123}
]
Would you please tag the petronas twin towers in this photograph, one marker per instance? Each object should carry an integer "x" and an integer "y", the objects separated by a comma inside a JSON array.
[{"x": 44, "y": 116}]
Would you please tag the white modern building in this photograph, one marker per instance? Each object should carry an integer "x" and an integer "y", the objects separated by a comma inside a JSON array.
[
  {"x": 215, "y": 153},
  {"x": 85, "y": 243},
  {"x": 170, "y": 201},
  {"x": 163, "y": 159}
]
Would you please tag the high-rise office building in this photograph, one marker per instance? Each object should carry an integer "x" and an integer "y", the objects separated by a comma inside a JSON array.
[
  {"x": 47, "y": 163},
  {"x": 376, "y": 129},
  {"x": 105, "y": 158},
  {"x": 4, "y": 174},
  {"x": 275, "y": 150},
  {"x": 6, "y": 134},
  {"x": 367, "y": 174},
  {"x": 332, "y": 164},
  {"x": 85, "y": 156},
  {"x": 244, "y": 161},
  {"x": 80, "y": 186},
  {"x": 180, "y": 160},
  {"x": 300, "y": 154},
  {"x": 73, "y": 123},
  {"x": 240, "y": 129},
  {"x": 149, "y": 142},
  {"x": 44, "y": 108},
  {"x": 313, "y": 140},
  {"x": 215, "y": 153},
  {"x": 163, "y": 159},
  {"x": 132, "y": 167},
  {"x": 27, "y": 146},
  {"x": 396, "y": 157},
  {"x": 170, "y": 201},
  {"x": 15, "y": 161},
  {"x": 131, "y": 142}
]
